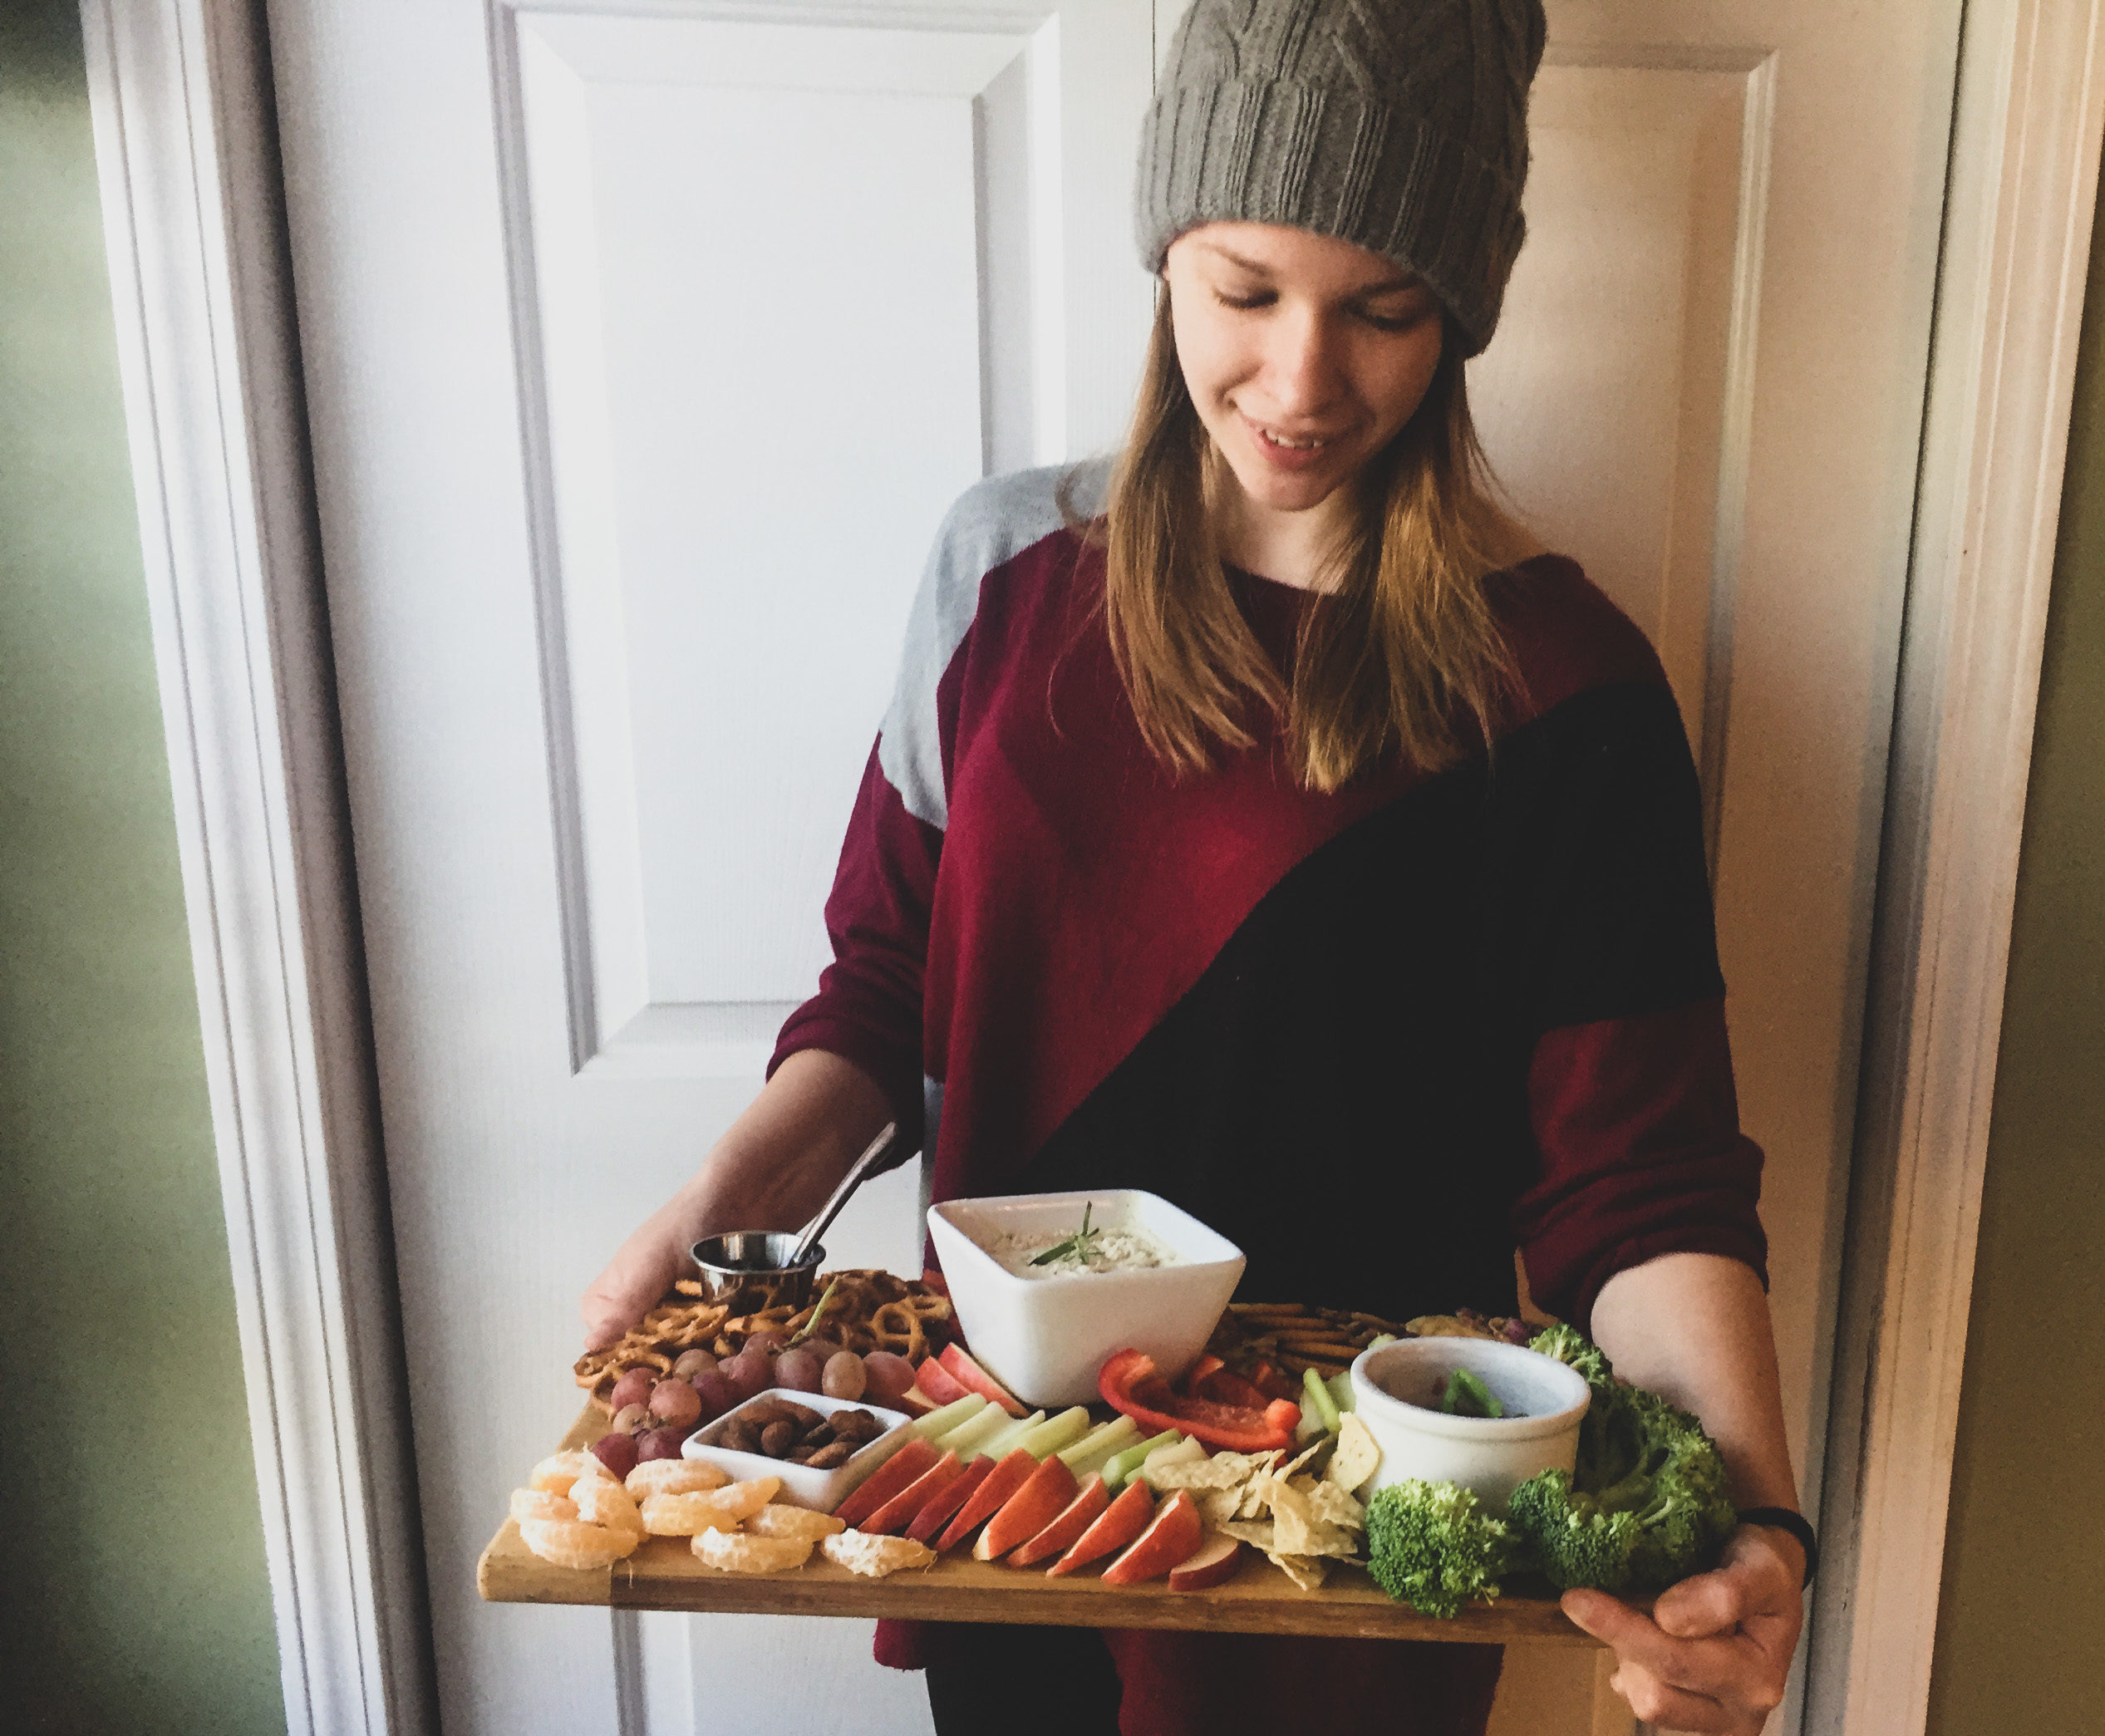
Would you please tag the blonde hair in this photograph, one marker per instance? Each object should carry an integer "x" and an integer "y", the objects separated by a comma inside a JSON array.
[{"x": 1404, "y": 657}]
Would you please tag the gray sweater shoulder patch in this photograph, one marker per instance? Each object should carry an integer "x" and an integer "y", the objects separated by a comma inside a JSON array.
[{"x": 993, "y": 521}]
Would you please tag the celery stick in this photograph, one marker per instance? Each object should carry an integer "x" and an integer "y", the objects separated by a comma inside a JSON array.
[
  {"x": 983, "y": 1425},
  {"x": 1047, "y": 1439},
  {"x": 1319, "y": 1396},
  {"x": 1088, "y": 1454},
  {"x": 998, "y": 1448},
  {"x": 1122, "y": 1465},
  {"x": 942, "y": 1421},
  {"x": 1341, "y": 1393}
]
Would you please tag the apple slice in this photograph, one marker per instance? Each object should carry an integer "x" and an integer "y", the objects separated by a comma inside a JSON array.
[
  {"x": 914, "y": 1456},
  {"x": 1175, "y": 1533},
  {"x": 1067, "y": 1526},
  {"x": 1030, "y": 1510},
  {"x": 945, "y": 1503},
  {"x": 1123, "y": 1521},
  {"x": 1009, "y": 1475},
  {"x": 965, "y": 1369},
  {"x": 1214, "y": 1564},
  {"x": 936, "y": 1380},
  {"x": 915, "y": 1402},
  {"x": 898, "y": 1513}
]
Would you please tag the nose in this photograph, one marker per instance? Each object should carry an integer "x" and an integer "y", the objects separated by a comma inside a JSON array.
[{"x": 1301, "y": 363}]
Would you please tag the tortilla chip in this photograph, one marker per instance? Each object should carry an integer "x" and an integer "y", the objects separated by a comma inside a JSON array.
[
  {"x": 1287, "y": 1470},
  {"x": 1332, "y": 1505},
  {"x": 1218, "y": 1507},
  {"x": 1257, "y": 1498},
  {"x": 1259, "y": 1534},
  {"x": 1446, "y": 1325},
  {"x": 1297, "y": 1530},
  {"x": 1206, "y": 1473},
  {"x": 1307, "y": 1571},
  {"x": 1357, "y": 1456}
]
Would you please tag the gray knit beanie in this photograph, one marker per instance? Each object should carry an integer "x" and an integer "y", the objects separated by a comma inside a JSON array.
[{"x": 1400, "y": 126}]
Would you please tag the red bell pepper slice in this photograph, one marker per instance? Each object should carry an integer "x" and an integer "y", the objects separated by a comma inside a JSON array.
[
  {"x": 1130, "y": 1382},
  {"x": 1211, "y": 1378}
]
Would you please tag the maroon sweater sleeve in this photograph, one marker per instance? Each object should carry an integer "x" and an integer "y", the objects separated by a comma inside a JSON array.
[
  {"x": 1639, "y": 1130},
  {"x": 868, "y": 1006}
]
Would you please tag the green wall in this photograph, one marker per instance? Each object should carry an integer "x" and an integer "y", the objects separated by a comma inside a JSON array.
[
  {"x": 133, "y": 1596},
  {"x": 2021, "y": 1624}
]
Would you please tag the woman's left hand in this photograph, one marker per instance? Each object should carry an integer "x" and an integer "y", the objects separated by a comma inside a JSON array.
[{"x": 1714, "y": 1655}]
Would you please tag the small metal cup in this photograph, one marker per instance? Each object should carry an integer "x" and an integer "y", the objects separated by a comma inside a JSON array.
[{"x": 746, "y": 1270}]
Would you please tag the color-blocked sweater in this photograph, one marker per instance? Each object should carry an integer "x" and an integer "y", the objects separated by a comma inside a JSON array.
[{"x": 1377, "y": 1038}]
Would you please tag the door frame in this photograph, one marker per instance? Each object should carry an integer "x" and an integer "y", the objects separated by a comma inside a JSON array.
[{"x": 193, "y": 214}]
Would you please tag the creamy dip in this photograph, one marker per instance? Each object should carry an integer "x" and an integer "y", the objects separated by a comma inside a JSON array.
[{"x": 1104, "y": 1249}]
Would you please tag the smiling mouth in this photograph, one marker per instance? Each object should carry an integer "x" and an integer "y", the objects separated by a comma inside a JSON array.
[{"x": 1287, "y": 442}]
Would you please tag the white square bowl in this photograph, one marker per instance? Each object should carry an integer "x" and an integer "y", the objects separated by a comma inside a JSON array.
[
  {"x": 1045, "y": 1338},
  {"x": 821, "y": 1491}
]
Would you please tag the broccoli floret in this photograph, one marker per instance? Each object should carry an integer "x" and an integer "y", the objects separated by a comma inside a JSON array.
[
  {"x": 1572, "y": 1347},
  {"x": 1433, "y": 1546},
  {"x": 1647, "y": 1506}
]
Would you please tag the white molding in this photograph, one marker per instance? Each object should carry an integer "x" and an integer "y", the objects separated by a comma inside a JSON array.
[
  {"x": 186, "y": 157},
  {"x": 2031, "y": 107}
]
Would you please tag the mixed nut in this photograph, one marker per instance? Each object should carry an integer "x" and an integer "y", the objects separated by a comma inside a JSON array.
[{"x": 783, "y": 1428}]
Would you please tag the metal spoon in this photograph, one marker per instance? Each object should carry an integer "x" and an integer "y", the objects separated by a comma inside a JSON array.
[{"x": 848, "y": 1183}]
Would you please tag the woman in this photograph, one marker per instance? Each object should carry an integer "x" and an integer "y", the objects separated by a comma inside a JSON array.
[{"x": 1260, "y": 821}]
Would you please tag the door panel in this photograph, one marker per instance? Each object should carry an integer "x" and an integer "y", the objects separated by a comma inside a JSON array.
[
  {"x": 645, "y": 345},
  {"x": 767, "y": 364}
]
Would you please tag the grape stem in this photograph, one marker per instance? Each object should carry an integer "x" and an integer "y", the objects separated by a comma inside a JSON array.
[{"x": 804, "y": 1331}]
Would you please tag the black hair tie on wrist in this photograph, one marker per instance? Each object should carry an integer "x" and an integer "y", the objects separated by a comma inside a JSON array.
[{"x": 1799, "y": 1526}]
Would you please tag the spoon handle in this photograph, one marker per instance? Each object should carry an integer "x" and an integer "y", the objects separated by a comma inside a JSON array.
[{"x": 872, "y": 1156}]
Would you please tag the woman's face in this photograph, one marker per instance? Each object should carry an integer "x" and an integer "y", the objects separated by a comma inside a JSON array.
[{"x": 1305, "y": 354}]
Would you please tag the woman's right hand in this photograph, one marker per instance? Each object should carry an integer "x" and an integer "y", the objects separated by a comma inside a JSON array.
[
  {"x": 645, "y": 1268},
  {"x": 772, "y": 1171}
]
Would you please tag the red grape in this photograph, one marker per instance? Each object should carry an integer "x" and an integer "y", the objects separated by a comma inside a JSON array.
[
  {"x": 886, "y": 1377},
  {"x": 844, "y": 1376},
  {"x": 768, "y": 1343},
  {"x": 716, "y": 1394},
  {"x": 692, "y": 1363},
  {"x": 676, "y": 1403},
  {"x": 659, "y": 1444},
  {"x": 631, "y": 1419},
  {"x": 633, "y": 1388},
  {"x": 749, "y": 1372},
  {"x": 800, "y": 1369},
  {"x": 618, "y": 1453}
]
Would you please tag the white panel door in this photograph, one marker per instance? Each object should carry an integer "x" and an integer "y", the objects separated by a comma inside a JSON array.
[{"x": 645, "y": 345}]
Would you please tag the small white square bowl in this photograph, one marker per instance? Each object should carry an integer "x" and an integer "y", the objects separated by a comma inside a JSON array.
[
  {"x": 821, "y": 1491},
  {"x": 1045, "y": 1338}
]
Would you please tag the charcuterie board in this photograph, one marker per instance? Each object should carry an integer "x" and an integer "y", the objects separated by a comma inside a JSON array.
[{"x": 663, "y": 1574}]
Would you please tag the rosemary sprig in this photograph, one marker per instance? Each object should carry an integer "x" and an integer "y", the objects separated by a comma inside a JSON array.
[{"x": 1076, "y": 1247}]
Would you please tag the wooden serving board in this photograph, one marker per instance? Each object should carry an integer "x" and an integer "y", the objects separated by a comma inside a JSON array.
[{"x": 664, "y": 1575}]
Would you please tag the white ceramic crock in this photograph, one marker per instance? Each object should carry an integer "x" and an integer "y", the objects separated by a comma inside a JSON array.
[
  {"x": 1492, "y": 1455},
  {"x": 1045, "y": 1338}
]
